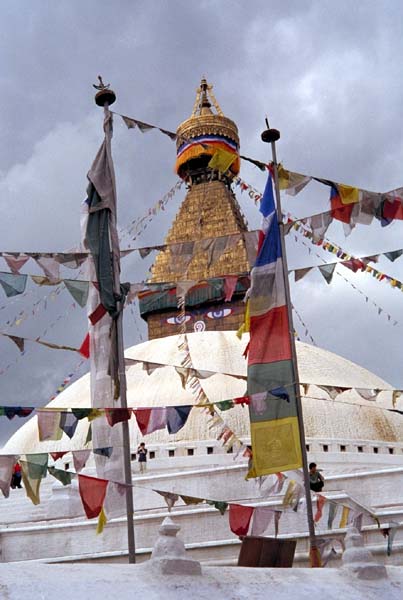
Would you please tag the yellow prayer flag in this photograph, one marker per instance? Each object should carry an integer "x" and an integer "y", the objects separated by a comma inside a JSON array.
[
  {"x": 348, "y": 194},
  {"x": 102, "y": 521},
  {"x": 222, "y": 160},
  {"x": 245, "y": 327},
  {"x": 95, "y": 413},
  {"x": 277, "y": 446},
  {"x": 344, "y": 517},
  {"x": 283, "y": 177},
  {"x": 289, "y": 494}
]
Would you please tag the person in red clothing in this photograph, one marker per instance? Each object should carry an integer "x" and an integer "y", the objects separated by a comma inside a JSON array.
[{"x": 16, "y": 478}]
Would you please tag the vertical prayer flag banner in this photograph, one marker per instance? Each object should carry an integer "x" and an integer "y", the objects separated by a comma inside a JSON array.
[{"x": 275, "y": 436}]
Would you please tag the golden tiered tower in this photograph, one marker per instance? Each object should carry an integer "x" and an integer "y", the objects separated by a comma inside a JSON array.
[{"x": 208, "y": 214}]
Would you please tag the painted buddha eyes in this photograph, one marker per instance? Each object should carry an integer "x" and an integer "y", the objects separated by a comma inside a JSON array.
[
  {"x": 179, "y": 319},
  {"x": 219, "y": 314}
]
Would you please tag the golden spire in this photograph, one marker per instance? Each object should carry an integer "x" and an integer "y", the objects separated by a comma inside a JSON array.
[
  {"x": 204, "y": 98},
  {"x": 205, "y": 131}
]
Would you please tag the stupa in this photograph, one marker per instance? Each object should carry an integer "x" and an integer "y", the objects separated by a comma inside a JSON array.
[
  {"x": 356, "y": 441},
  {"x": 208, "y": 215}
]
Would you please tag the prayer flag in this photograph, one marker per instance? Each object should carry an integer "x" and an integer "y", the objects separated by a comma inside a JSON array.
[
  {"x": 117, "y": 415},
  {"x": 320, "y": 501},
  {"x": 50, "y": 267},
  {"x": 49, "y": 425},
  {"x": 262, "y": 516},
  {"x": 17, "y": 411},
  {"x": 158, "y": 419},
  {"x": 219, "y": 505},
  {"x": 393, "y": 209},
  {"x": 344, "y": 517},
  {"x": 188, "y": 500},
  {"x": 92, "y": 493},
  {"x": 68, "y": 423},
  {"x": 169, "y": 498},
  {"x": 144, "y": 127},
  {"x": 230, "y": 282},
  {"x": 85, "y": 347},
  {"x": 142, "y": 418},
  {"x": 339, "y": 210},
  {"x": 78, "y": 289},
  {"x": 222, "y": 160},
  {"x": 327, "y": 271},
  {"x": 101, "y": 234},
  {"x": 12, "y": 284},
  {"x": 130, "y": 123},
  {"x": 63, "y": 476},
  {"x": 348, "y": 194},
  {"x": 102, "y": 521},
  {"x": 292, "y": 183},
  {"x": 177, "y": 417},
  {"x": 15, "y": 262},
  {"x": 331, "y": 514},
  {"x": 80, "y": 458},
  {"x": 6, "y": 472},
  {"x": 104, "y": 451},
  {"x": 239, "y": 518},
  {"x": 274, "y": 426},
  {"x": 33, "y": 469},
  {"x": 97, "y": 314},
  {"x": 18, "y": 341},
  {"x": 300, "y": 273}
]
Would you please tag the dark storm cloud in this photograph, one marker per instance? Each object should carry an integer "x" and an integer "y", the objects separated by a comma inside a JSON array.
[{"x": 328, "y": 76}]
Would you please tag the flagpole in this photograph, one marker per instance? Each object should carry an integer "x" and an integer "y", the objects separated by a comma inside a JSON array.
[
  {"x": 270, "y": 136},
  {"x": 104, "y": 97}
]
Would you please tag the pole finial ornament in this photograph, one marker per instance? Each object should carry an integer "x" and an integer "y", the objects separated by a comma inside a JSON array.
[
  {"x": 104, "y": 95},
  {"x": 270, "y": 135}
]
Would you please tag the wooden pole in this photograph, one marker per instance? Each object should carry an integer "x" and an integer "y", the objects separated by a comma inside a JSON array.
[
  {"x": 105, "y": 97},
  {"x": 271, "y": 136}
]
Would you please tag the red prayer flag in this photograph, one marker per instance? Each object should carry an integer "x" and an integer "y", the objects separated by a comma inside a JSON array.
[
  {"x": 242, "y": 400},
  {"x": 92, "y": 493},
  {"x": 143, "y": 417},
  {"x": 117, "y": 415},
  {"x": 85, "y": 347},
  {"x": 269, "y": 337},
  {"x": 230, "y": 282},
  {"x": 319, "y": 507},
  {"x": 239, "y": 518},
  {"x": 341, "y": 212},
  {"x": 97, "y": 315},
  {"x": 393, "y": 210},
  {"x": 57, "y": 455}
]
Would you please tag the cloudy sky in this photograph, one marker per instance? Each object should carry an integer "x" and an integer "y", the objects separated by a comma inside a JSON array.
[{"x": 327, "y": 74}]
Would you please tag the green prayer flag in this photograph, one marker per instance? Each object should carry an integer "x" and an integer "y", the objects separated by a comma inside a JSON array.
[
  {"x": 33, "y": 470},
  {"x": 63, "y": 476},
  {"x": 327, "y": 271},
  {"x": 225, "y": 405},
  {"x": 221, "y": 506},
  {"x": 81, "y": 413},
  {"x": 88, "y": 439},
  {"x": 13, "y": 284},
  {"x": 78, "y": 289}
]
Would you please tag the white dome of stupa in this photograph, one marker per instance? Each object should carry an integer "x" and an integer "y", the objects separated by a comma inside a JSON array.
[{"x": 348, "y": 416}]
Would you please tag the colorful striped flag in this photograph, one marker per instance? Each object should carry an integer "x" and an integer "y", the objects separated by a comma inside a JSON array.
[{"x": 274, "y": 431}]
